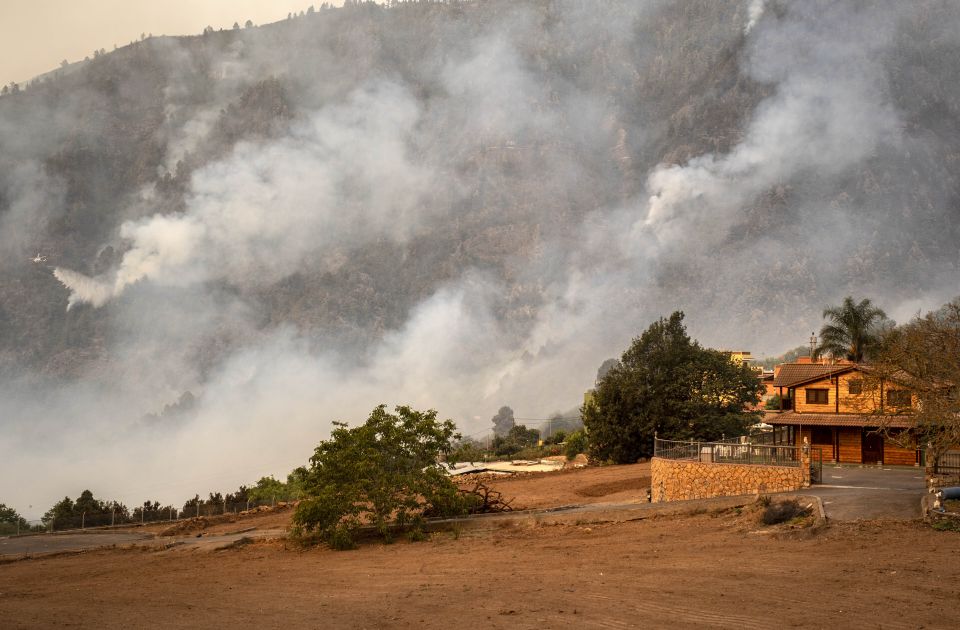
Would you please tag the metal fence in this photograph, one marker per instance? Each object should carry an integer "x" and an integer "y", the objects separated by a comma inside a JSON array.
[
  {"x": 20, "y": 527},
  {"x": 125, "y": 518},
  {"x": 727, "y": 452},
  {"x": 948, "y": 463}
]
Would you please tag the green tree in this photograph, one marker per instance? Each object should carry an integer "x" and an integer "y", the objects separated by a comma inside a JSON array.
[
  {"x": 10, "y": 521},
  {"x": 577, "y": 443},
  {"x": 381, "y": 473},
  {"x": 923, "y": 356},
  {"x": 668, "y": 384},
  {"x": 60, "y": 515},
  {"x": 517, "y": 438},
  {"x": 466, "y": 451},
  {"x": 86, "y": 511},
  {"x": 269, "y": 489},
  {"x": 852, "y": 332}
]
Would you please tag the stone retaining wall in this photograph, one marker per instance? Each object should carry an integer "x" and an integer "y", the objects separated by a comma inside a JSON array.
[{"x": 679, "y": 480}]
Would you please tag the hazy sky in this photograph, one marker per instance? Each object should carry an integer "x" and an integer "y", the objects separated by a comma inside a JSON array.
[{"x": 36, "y": 35}]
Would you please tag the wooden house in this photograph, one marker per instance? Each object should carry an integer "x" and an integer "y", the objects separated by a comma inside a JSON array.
[{"x": 836, "y": 408}]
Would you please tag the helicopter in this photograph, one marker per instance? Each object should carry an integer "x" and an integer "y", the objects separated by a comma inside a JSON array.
[{"x": 39, "y": 259}]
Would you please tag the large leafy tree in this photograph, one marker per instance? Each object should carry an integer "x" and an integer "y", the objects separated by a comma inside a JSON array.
[
  {"x": 517, "y": 438},
  {"x": 923, "y": 356},
  {"x": 384, "y": 472},
  {"x": 665, "y": 383},
  {"x": 269, "y": 489},
  {"x": 86, "y": 510},
  {"x": 852, "y": 330},
  {"x": 11, "y": 521}
]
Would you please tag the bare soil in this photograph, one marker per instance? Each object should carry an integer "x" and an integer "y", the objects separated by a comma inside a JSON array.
[
  {"x": 719, "y": 569},
  {"x": 575, "y": 486}
]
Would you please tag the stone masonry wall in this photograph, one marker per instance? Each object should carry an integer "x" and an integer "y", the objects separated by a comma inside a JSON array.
[{"x": 678, "y": 480}]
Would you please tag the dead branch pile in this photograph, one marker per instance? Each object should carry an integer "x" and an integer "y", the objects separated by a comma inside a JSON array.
[{"x": 489, "y": 500}]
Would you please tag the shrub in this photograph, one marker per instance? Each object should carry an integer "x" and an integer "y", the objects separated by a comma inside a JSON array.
[
  {"x": 782, "y": 511},
  {"x": 576, "y": 444},
  {"x": 946, "y": 525},
  {"x": 466, "y": 452},
  {"x": 383, "y": 473}
]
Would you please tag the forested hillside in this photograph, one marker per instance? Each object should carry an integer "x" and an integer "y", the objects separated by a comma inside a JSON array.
[{"x": 549, "y": 174}]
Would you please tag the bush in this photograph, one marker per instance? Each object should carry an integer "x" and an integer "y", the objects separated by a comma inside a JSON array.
[
  {"x": 517, "y": 439},
  {"x": 466, "y": 452},
  {"x": 946, "y": 525},
  {"x": 576, "y": 443},
  {"x": 775, "y": 513},
  {"x": 383, "y": 473}
]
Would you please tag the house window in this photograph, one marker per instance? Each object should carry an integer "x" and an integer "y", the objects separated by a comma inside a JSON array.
[
  {"x": 817, "y": 396},
  {"x": 855, "y": 387},
  {"x": 821, "y": 435},
  {"x": 898, "y": 398}
]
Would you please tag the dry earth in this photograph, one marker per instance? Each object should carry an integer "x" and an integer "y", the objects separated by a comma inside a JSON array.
[
  {"x": 575, "y": 486},
  {"x": 706, "y": 570}
]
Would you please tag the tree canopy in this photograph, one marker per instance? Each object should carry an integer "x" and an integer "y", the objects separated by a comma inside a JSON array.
[
  {"x": 923, "y": 355},
  {"x": 384, "y": 472},
  {"x": 666, "y": 383},
  {"x": 852, "y": 331},
  {"x": 517, "y": 438},
  {"x": 87, "y": 510},
  {"x": 11, "y": 521}
]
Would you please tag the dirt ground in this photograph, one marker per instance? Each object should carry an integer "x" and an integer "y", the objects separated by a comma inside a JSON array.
[
  {"x": 707, "y": 570},
  {"x": 609, "y": 484}
]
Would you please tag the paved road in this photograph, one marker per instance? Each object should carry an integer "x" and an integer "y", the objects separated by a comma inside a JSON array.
[
  {"x": 52, "y": 543},
  {"x": 47, "y": 543},
  {"x": 848, "y": 493},
  {"x": 854, "y": 492}
]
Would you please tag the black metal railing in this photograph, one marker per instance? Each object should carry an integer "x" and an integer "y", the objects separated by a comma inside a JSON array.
[
  {"x": 727, "y": 452},
  {"x": 948, "y": 463}
]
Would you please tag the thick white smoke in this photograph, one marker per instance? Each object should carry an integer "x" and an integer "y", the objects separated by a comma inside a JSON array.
[
  {"x": 754, "y": 13},
  {"x": 341, "y": 178},
  {"x": 830, "y": 111},
  {"x": 364, "y": 168}
]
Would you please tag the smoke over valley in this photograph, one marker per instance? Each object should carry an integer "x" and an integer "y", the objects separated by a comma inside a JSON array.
[{"x": 252, "y": 233}]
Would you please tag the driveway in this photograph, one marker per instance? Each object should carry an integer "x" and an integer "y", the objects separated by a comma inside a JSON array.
[{"x": 869, "y": 492}]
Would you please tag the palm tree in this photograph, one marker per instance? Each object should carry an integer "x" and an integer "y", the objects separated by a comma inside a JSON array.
[{"x": 852, "y": 332}]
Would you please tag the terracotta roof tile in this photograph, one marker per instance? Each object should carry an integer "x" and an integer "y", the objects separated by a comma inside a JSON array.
[
  {"x": 792, "y": 374},
  {"x": 839, "y": 420}
]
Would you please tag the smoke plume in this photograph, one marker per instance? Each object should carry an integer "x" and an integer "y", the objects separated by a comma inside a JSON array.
[{"x": 454, "y": 207}]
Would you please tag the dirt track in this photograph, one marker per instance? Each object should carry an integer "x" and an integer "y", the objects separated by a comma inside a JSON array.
[{"x": 710, "y": 570}]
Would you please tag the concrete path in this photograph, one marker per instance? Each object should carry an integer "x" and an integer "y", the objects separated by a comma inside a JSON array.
[
  {"x": 869, "y": 492},
  {"x": 73, "y": 542}
]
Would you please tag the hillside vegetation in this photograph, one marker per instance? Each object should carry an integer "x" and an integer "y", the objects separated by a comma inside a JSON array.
[{"x": 531, "y": 124}]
